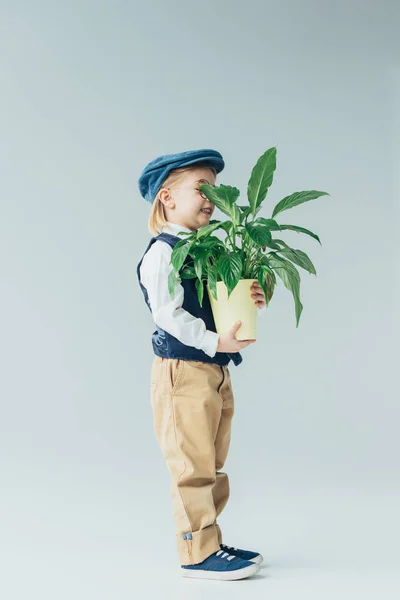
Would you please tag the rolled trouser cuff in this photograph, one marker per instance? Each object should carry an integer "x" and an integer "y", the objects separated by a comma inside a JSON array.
[{"x": 195, "y": 546}]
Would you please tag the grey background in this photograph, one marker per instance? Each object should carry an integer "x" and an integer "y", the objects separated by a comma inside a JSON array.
[{"x": 92, "y": 91}]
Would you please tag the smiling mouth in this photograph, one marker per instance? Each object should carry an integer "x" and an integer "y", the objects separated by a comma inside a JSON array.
[{"x": 206, "y": 211}]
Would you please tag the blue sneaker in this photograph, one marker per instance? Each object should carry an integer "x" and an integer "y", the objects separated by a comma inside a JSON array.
[
  {"x": 253, "y": 557},
  {"x": 221, "y": 565}
]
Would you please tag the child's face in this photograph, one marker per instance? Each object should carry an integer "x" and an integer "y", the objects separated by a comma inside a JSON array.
[{"x": 183, "y": 204}]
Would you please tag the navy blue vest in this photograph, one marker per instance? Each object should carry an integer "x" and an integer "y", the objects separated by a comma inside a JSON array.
[{"x": 167, "y": 345}]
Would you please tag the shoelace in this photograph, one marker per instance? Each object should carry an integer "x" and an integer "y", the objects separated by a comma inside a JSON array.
[
  {"x": 229, "y": 547},
  {"x": 225, "y": 555}
]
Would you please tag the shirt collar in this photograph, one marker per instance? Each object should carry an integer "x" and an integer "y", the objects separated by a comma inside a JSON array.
[{"x": 173, "y": 228}]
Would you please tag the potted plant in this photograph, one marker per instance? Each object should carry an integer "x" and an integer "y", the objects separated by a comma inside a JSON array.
[{"x": 227, "y": 268}]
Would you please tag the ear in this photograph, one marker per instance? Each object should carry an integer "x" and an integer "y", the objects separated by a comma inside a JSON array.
[{"x": 165, "y": 197}]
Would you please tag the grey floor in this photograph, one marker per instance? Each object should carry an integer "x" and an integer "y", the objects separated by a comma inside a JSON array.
[{"x": 68, "y": 538}]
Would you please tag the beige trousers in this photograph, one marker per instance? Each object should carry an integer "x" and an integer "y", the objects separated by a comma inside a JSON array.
[{"x": 193, "y": 406}]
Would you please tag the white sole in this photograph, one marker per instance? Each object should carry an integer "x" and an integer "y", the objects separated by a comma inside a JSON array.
[{"x": 222, "y": 575}]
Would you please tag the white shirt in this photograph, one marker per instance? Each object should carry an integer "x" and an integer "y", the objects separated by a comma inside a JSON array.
[{"x": 167, "y": 312}]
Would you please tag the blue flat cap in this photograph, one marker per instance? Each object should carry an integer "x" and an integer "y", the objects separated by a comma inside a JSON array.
[{"x": 155, "y": 173}]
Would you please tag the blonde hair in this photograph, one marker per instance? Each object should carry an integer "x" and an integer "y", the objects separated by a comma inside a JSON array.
[{"x": 157, "y": 219}]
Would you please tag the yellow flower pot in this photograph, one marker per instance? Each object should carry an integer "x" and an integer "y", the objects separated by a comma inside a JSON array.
[{"x": 238, "y": 307}]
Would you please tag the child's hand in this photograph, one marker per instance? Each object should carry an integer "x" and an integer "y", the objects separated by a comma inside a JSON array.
[
  {"x": 228, "y": 342},
  {"x": 258, "y": 294}
]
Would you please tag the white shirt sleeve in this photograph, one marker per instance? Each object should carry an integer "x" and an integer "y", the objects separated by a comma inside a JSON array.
[{"x": 167, "y": 312}]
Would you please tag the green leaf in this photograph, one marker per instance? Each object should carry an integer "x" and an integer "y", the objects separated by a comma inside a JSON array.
[
  {"x": 179, "y": 254},
  {"x": 270, "y": 223},
  {"x": 260, "y": 234},
  {"x": 188, "y": 273},
  {"x": 200, "y": 256},
  {"x": 265, "y": 262},
  {"x": 291, "y": 280},
  {"x": 198, "y": 266},
  {"x": 211, "y": 242},
  {"x": 223, "y": 196},
  {"x": 189, "y": 235},
  {"x": 227, "y": 226},
  {"x": 278, "y": 262},
  {"x": 235, "y": 214},
  {"x": 296, "y": 199},
  {"x": 182, "y": 243},
  {"x": 244, "y": 212},
  {"x": 200, "y": 291},
  {"x": 261, "y": 178},
  {"x": 300, "y": 258},
  {"x": 212, "y": 280},
  {"x": 301, "y": 230},
  {"x": 230, "y": 267},
  {"x": 263, "y": 271},
  {"x": 207, "y": 229},
  {"x": 270, "y": 283},
  {"x": 297, "y": 256}
]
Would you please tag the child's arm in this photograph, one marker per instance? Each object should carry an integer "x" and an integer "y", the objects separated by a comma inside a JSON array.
[{"x": 167, "y": 312}]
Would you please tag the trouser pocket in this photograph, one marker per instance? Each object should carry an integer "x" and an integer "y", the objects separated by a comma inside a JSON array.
[{"x": 174, "y": 373}]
